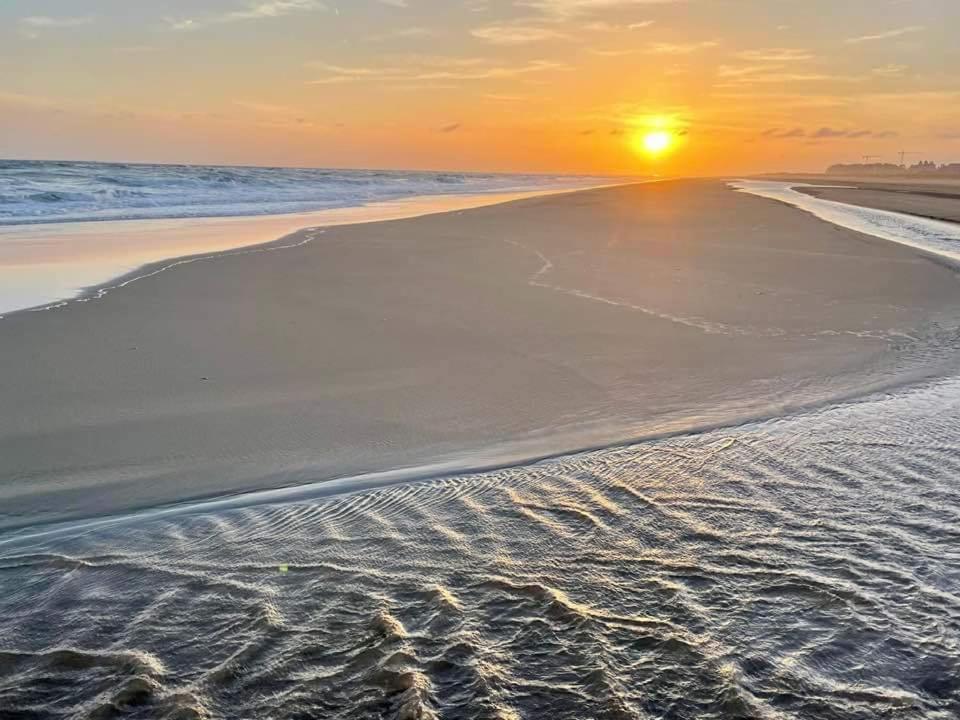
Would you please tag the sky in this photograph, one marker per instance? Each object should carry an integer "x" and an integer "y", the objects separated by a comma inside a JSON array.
[{"x": 487, "y": 85}]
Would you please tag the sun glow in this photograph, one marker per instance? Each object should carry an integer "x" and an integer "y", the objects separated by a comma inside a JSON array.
[{"x": 653, "y": 143}]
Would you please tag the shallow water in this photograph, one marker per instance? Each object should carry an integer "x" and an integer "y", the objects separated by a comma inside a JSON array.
[
  {"x": 802, "y": 568},
  {"x": 936, "y": 236}
]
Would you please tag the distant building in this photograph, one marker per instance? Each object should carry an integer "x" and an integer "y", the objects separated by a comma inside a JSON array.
[
  {"x": 865, "y": 169},
  {"x": 924, "y": 166}
]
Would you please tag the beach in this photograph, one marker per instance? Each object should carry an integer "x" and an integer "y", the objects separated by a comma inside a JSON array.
[
  {"x": 454, "y": 341},
  {"x": 930, "y": 197},
  {"x": 676, "y": 449},
  {"x": 937, "y": 202}
]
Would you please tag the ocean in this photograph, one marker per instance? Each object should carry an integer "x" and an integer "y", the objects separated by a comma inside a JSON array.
[{"x": 67, "y": 191}]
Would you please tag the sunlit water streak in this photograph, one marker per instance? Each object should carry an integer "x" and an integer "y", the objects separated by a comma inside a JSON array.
[
  {"x": 936, "y": 236},
  {"x": 802, "y": 567}
]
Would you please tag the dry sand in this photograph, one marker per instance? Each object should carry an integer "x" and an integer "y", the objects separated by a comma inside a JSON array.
[{"x": 526, "y": 328}]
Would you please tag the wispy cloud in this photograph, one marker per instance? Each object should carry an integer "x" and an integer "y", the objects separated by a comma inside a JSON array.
[
  {"x": 668, "y": 48},
  {"x": 741, "y": 75},
  {"x": 824, "y": 133},
  {"x": 415, "y": 31},
  {"x": 252, "y": 11},
  {"x": 886, "y": 35},
  {"x": 429, "y": 69},
  {"x": 534, "y": 66},
  {"x": 775, "y": 55},
  {"x": 31, "y": 25},
  {"x": 890, "y": 70},
  {"x": 612, "y": 52},
  {"x": 451, "y": 128},
  {"x": 516, "y": 34},
  {"x": 572, "y": 8},
  {"x": 45, "y": 21}
]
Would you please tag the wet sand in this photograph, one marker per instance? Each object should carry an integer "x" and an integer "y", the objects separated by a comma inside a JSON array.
[
  {"x": 939, "y": 204},
  {"x": 523, "y": 329}
]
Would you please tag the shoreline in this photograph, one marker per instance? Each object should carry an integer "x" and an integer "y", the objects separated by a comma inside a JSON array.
[
  {"x": 331, "y": 373},
  {"x": 181, "y": 234},
  {"x": 337, "y": 487},
  {"x": 929, "y": 236}
]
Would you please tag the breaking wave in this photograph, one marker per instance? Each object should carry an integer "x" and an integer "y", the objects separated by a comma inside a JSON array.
[{"x": 36, "y": 191}]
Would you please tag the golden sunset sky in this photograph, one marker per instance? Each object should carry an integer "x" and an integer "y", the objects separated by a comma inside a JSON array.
[{"x": 511, "y": 85}]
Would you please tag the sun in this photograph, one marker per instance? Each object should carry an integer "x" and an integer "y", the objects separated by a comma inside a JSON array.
[{"x": 654, "y": 142}]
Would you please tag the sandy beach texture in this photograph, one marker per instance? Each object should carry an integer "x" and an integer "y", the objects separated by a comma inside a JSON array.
[{"x": 527, "y": 328}]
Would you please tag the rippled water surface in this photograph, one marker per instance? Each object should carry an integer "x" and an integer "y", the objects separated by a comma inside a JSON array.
[{"x": 802, "y": 568}]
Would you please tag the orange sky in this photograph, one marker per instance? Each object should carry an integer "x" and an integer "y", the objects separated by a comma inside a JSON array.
[{"x": 527, "y": 85}]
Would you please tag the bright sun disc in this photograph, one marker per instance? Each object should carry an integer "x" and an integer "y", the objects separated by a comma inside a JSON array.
[{"x": 657, "y": 142}]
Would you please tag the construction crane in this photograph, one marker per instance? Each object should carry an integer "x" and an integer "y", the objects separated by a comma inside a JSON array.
[{"x": 904, "y": 153}]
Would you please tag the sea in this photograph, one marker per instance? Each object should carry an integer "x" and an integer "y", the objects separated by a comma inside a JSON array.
[
  {"x": 67, "y": 191},
  {"x": 805, "y": 566}
]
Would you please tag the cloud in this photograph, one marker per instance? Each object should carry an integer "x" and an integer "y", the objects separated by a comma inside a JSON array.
[
  {"x": 782, "y": 134},
  {"x": 32, "y": 24},
  {"x": 744, "y": 71},
  {"x": 896, "y": 32},
  {"x": 253, "y": 11},
  {"x": 775, "y": 55},
  {"x": 487, "y": 73},
  {"x": 417, "y": 70},
  {"x": 415, "y": 31},
  {"x": 640, "y": 25},
  {"x": 742, "y": 75},
  {"x": 666, "y": 48},
  {"x": 890, "y": 70},
  {"x": 450, "y": 128},
  {"x": 45, "y": 21},
  {"x": 516, "y": 34},
  {"x": 824, "y": 133},
  {"x": 612, "y": 52},
  {"x": 572, "y": 8},
  {"x": 395, "y": 3}
]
